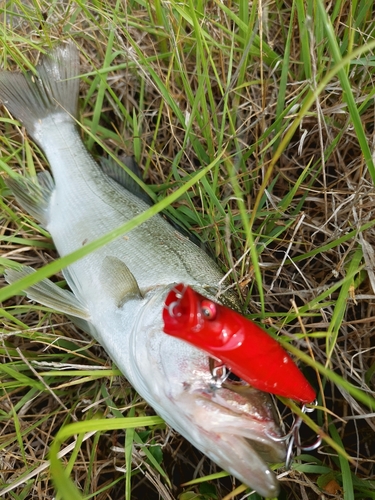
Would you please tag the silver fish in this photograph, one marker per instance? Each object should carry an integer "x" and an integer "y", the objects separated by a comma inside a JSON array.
[{"x": 118, "y": 291}]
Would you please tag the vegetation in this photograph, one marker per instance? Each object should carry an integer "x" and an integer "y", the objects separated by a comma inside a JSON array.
[{"x": 278, "y": 98}]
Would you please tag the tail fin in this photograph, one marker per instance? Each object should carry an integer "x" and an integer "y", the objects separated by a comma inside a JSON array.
[{"x": 53, "y": 90}]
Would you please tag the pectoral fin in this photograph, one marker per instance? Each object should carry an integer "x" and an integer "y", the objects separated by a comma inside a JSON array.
[
  {"x": 118, "y": 281},
  {"x": 49, "y": 294}
]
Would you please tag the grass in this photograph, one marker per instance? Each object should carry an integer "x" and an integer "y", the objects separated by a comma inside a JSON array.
[{"x": 254, "y": 126}]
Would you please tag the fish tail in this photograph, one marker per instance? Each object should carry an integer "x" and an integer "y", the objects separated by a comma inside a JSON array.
[{"x": 52, "y": 90}]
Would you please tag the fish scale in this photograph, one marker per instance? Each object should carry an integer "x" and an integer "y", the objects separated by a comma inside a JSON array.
[{"x": 119, "y": 291}]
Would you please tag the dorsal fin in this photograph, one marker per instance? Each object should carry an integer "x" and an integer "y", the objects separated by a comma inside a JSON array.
[{"x": 111, "y": 168}]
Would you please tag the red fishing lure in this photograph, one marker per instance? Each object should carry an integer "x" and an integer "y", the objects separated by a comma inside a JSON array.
[{"x": 243, "y": 346}]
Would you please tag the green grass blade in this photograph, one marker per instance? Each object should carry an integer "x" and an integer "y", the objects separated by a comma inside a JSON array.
[{"x": 347, "y": 89}]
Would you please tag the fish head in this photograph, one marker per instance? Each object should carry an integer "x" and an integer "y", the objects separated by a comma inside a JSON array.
[
  {"x": 233, "y": 424},
  {"x": 230, "y": 422}
]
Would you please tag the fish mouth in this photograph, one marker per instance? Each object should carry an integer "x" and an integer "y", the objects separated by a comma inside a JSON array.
[
  {"x": 258, "y": 407},
  {"x": 234, "y": 425},
  {"x": 239, "y": 401}
]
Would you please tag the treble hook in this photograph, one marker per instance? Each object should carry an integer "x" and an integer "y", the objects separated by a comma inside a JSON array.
[
  {"x": 293, "y": 438},
  {"x": 219, "y": 373},
  {"x": 172, "y": 306}
]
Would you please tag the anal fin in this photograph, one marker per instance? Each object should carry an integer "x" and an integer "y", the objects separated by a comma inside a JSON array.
[{"x": 33, "y": 194}]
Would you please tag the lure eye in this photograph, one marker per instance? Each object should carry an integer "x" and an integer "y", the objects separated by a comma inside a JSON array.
[{"x": 208, "y": 310}]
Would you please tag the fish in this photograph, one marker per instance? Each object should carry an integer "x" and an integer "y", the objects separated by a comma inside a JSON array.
[
  {"x": 243, "y": 346},
  {"x": 118, "y": 292}
]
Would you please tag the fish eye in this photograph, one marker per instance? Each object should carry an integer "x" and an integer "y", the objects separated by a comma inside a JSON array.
[{"x": 208, "y": 309}]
